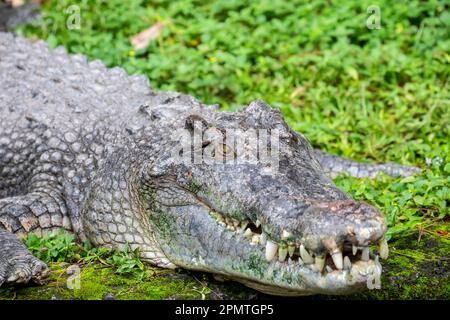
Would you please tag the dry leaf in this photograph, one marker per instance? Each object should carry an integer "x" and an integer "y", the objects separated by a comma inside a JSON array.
[
  {"x": 442, "y": 233},
  {"x": 299, "y": 91},
  {"x": 143, "y": 38}
]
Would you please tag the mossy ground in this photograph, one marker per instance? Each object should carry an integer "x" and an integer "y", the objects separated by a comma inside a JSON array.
[
  {"x": 418, "y": 268},
  {"x": 100, "y": 282}
]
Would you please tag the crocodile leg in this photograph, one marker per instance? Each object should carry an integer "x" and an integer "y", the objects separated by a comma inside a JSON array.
[
  {"x": 334, "y": 165},
  {"x": 17, "y": 264},
  {"x": 35, "y": 212}
]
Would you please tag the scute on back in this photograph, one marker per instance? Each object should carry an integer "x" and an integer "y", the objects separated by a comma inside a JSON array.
[{"x": 33, "y": 78}]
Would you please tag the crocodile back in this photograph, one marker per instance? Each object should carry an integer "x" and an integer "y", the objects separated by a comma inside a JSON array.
[{"x": 36, "y": 79}]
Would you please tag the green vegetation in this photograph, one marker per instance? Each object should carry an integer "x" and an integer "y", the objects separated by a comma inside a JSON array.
[
  {"x": 409, "y": 202},
  {"x": 62, "y": 247},
  {"x": 372, "y": 95}
]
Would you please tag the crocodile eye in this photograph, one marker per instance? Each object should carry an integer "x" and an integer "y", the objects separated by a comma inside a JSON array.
[{"x": 228, "y": 151}]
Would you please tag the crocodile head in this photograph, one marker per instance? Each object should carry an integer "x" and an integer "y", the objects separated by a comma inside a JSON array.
[{"x": 281, "y": 227}]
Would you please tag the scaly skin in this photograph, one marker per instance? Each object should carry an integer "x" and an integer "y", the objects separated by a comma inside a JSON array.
[{"x": 90, "y": 150}]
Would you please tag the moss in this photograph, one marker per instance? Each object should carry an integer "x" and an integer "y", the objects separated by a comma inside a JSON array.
[{"x": 98, "y": 282}]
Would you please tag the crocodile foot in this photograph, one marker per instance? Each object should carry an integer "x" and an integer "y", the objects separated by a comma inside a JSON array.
[
  {"x": 23, "y": 270},
  {"x": 17, "y": 264}
]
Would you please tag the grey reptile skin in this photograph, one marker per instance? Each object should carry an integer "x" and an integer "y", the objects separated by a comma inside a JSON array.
[{"x": 87, "y": 149}]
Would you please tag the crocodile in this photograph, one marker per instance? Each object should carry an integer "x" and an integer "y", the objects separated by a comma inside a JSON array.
[{"x": 97, "y": 152}]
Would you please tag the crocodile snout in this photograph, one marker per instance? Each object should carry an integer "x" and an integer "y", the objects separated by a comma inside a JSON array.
[{"x": 322, "y": 234}]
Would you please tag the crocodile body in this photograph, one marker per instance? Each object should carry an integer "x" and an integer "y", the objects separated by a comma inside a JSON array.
[{"x": 89, "y": 149}]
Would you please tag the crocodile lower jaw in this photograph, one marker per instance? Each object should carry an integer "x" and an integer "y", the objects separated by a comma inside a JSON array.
[{"x": 364, "y": 274}]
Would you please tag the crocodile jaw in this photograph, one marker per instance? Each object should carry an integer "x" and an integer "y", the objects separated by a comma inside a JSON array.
[{"x": 226, "y": 249}]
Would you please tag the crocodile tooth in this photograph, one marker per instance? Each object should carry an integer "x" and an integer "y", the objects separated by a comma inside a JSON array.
[
  {"x": 384, "y": 249},
  {"x": 271, "y": 250},
  {"x": 377, "y": 260},
  {"x": 347, "y": 263},
  {"x": 263, "y": 238},
  {"x": 244, "y": 224},
  {"x": 214, "y": 214},
  {"x": 255, "y": 239},
  {"x": 329, "y": 269},
  {"x": 221, "y": 218},
  {"x": 337, "y": 259},
  {"x": 307, "y": 259},
  {"x": 257, "y": 223},
  {"x": 320, "y": 262},
  {"x": 291, "y": 249},
  {"x": 223, "y": 224},
  {"x": 248, "y": 233},
  {"x": 229, "y": 221},
  {"x": 285, "y": 234},
  {"x": 290, "y": 262},
  {"x": 354, "y": 249},
  {"x": 365, "y": 254},
  {"x": 282, "y": 253}
]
